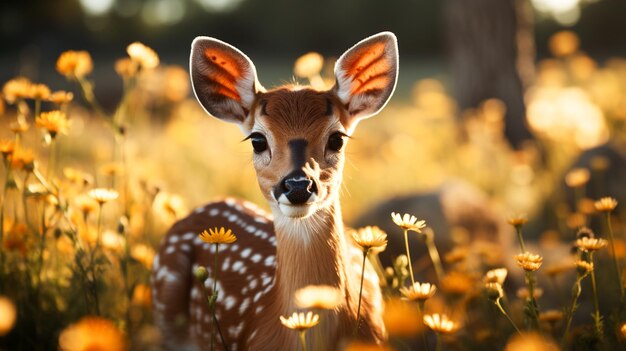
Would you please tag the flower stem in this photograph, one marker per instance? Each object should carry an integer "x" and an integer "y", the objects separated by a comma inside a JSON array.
[
  {"x": 532, "y": 303},
  {"x": 576, "y": 290},
  {"x": 303, "y": 339},
  {"x": 499, "y": 305},
  {"x": 408, "y": 256},
  {"x": 358, "y": 309},
  {"x": 434, "y": 256},
  {"x": 439, "y": 342},
  {"x": 420, "y": 308},
  {"x": 213, "y": 300},
  {"x": 617, "y": 268},
  {"x": 518, "y": 229},
  {"x": 596, "y": 314}
]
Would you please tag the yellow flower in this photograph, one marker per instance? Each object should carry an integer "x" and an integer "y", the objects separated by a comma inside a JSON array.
[
  {"x": 408, "y": 222},
  {"x": 518, "y": 220},
  {"x": 218, "y": 236},
  {"x": 8, "y": 314},
  {"x": 419, "y": 291},
  {"x": 144, "y": 254},
  {"x": 15, "y": 89},
  {"x": 318, "y": 296},
  {"x": 577, "y": 177},
  {"x": 92, "y": 333},
  {"x": 102, "y": 195},
  {"x": 308, "y": 65},
  {"x": 606, "y": 204},
  {"x": 497, "y": 275},
  {"x": 530, "y": 341},
  {"x": 402, "y": 318},
  {"x": 590, "y": 244},
  {"x": 300, "y": 321},
  {"x": 7, "y": 147},
  {"x": 457, "y": 254},
  {"x": 77, "y": 176},
  {"x": 39, "y": 92},
  {"x": 440, "y": 323},
  {"x": 53, "y": 121},
  {"x": 145, "y": 56},
  {"x": 112, "y": 241},
  {"x": 528, "y": 261},
  {"x": 126, "y": 67},
  {"x": 74, "y": 64},
  {"x": 370, "y": 238},
  {"x": 112, "y": 169},
  {"x": 494, "y": 290},
  {"x": 23, "y": 159},
  {"x": 583, "y": 267},
  {"x": 61, "y": 97},
  {"x": 623, "y": 331}
]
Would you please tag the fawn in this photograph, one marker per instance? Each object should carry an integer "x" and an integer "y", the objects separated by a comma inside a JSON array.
[{"x": 298, "y": 135}]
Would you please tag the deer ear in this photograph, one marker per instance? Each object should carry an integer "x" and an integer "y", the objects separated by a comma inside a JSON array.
[
  {"x": 224, "y": 80},
  {"x": 366, "y": 75}
]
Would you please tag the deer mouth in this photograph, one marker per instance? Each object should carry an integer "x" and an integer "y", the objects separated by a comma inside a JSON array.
[{"x": 298, "y": 210}]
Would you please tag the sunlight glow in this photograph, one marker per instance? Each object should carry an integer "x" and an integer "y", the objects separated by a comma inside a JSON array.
[
  {"x": 97, "y": 7},
  {"x": 219, "y": 5}
]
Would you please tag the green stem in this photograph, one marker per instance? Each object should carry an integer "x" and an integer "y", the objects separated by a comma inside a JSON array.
[
  {"x": 420, "y": 308},
  {"x": 532, "y": 303},
  {"x": 518, "y": 229},
  {"x": 576, "y": 290},
  {"x": 408, "y": 256},
  {"x": 434, "y": 256},
  {"x": 358, "y": 309},
  {"x": 303, "y": 339},
  {"x": 3, "y": 201},
  {"x": 596, "y": 314},
  {"x": 214, "y": 296},
  {"x": 615, "y": 263},
  {"x": 439, "y": 342},
  {"x": 499, "y": 305}
]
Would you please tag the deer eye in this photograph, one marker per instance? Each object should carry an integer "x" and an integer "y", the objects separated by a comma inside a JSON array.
[
  {"x": 336, "y": 141},
  {"x": 259, "y": 142}
]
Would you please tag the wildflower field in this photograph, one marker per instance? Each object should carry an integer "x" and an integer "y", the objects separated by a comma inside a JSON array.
[{"x": 88, "y": 193}]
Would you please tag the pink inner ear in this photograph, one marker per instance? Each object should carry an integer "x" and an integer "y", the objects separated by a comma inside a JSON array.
[
  {"x": 224, "y": 72},
  {"x": 370, "y": 70}
]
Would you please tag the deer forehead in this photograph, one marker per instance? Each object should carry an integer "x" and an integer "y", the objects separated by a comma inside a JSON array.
[{"x": 287, "y": 114}]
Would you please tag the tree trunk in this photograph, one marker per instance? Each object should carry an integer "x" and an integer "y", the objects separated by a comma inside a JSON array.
[{"x": 491, "y": 50}]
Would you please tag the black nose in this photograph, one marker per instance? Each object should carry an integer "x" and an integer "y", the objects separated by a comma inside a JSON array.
[
  {"x": 298, "y": 190},
  {"x": 297, "y": 187}
]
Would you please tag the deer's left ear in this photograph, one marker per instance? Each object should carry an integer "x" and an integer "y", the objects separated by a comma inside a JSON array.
[{"x": 367, "y": 74}]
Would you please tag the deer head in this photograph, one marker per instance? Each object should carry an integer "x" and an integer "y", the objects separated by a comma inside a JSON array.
[{"x": 298, "y": 134}]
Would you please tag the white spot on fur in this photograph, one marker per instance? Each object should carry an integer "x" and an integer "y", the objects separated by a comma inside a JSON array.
[
  {"x": 214, "y": 212},
  {"x": 244, "y": 305},
  {"x": 256, "y": 258},
  {"x": 170, "y": 249},
  {"x": 237, "y": 266},
  {"x": 257, "y": 297},
  {"x": 173, "y": 239},
  {"x": 229, "y": 302},
  {"x": 246, "y": 252},
  {"x": 269, "y": 260}
]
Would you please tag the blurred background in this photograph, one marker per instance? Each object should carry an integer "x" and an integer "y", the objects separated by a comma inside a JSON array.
[{"x": 503, "y": 108}]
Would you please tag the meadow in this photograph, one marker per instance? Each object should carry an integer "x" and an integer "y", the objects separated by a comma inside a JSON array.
[{"x": 88, "y": 193}]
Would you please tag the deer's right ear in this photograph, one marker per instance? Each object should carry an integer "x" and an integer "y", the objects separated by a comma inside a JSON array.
[{"x": 224, "y": 80}]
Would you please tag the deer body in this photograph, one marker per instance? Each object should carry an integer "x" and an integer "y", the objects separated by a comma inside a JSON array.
[{"x": 298, "y": 136}]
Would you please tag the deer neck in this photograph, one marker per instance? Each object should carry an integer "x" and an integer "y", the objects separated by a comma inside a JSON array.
[
  {"x": 310, "y": 251},
  {"x": 313, "y": 251}
]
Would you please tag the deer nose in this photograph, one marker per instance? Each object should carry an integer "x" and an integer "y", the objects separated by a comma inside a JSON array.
[
  {"x": 297, "y": 187},
  {"x": 298, "y": 190}
]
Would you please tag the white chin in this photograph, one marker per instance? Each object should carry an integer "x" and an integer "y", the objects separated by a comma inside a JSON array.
[{"x": 300, "y": 211}]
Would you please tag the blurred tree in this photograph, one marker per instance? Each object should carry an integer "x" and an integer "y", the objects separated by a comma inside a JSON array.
[{"x": 491, "y": 51}]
